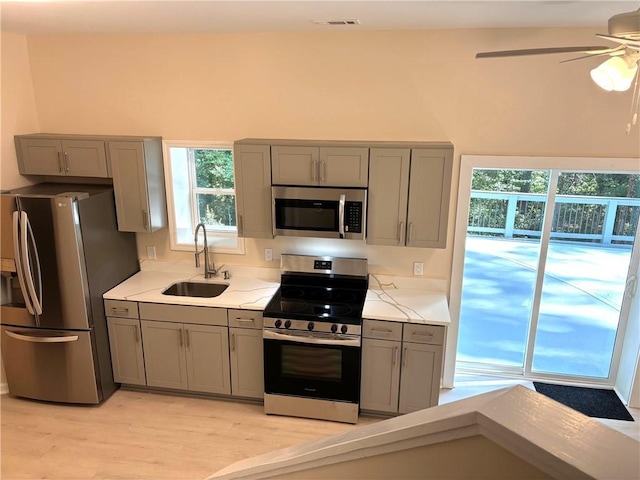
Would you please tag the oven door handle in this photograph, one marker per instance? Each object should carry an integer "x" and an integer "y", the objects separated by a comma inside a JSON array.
[{"x": 346, "y": 342}]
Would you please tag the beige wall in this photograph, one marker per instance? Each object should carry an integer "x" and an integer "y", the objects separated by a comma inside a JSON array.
[
  {"x": 471, "y": 457},
  {"x": 18, "y": 105},
  {"x": 415, "y": 85}
]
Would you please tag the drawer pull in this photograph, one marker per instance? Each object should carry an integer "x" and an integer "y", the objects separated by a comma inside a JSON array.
[
  {"x": 120, "y": 311},
  {"x": 245, "y": 320},
  {"x": 384, "y": 332},
  {"x": 419, "y": 334}
]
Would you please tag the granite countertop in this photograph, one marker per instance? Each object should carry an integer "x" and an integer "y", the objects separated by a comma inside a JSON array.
[{"x": 398, "y": 299}]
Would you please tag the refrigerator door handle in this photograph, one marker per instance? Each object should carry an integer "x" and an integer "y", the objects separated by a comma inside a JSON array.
[
  {"x": 27, "y": 236},
  {"x": 17, "y": 253},
  {"x": 29, "y": 338}
]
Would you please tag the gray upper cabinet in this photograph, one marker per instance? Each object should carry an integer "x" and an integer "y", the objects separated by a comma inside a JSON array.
[
  {"x": 409, "y": 192},
  {"x": 323, "y": 166},
  {"x": 138, "y": 182},
  {"x": 252, "y": 164},
  {"x": 61, "y": 157}
]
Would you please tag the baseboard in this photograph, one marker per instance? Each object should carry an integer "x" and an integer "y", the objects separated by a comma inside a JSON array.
[{"x": 4, "y": 388}]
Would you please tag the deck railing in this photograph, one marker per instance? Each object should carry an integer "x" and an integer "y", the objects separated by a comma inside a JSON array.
[{"x": 605, "y": 220}]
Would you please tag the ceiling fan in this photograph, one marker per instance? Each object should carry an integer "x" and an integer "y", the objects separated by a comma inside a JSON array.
[{"x": 616, "y": 73}]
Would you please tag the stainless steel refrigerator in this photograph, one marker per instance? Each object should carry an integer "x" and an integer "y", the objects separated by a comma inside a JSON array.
[{"x": 60, "y": 251}]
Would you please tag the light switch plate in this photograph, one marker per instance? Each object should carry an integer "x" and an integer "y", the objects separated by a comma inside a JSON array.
[
  {"x": 268, "y": 254},
  {"x": 418, "y": 268}
]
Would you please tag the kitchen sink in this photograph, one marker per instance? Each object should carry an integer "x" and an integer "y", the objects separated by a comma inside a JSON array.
[{"x": 195, "y": 289}]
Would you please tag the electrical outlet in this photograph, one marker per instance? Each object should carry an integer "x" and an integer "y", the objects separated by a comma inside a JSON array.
[
  {"x": 151, "y": 252},
  {"x": 418, "y": 268},
  {"x": 268, "y": 254}
]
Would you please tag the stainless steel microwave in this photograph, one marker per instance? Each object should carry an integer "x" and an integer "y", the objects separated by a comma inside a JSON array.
[{"x": 319, "y": 212}]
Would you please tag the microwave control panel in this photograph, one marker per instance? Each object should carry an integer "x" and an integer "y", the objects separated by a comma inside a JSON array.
[{"x": 353, "y": 217}]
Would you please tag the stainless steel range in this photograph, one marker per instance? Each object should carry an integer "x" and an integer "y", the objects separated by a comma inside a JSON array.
[{"x": 312, "y": 338}]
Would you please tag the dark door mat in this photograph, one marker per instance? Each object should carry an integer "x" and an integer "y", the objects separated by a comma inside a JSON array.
[{"x": 594, "y": 402}]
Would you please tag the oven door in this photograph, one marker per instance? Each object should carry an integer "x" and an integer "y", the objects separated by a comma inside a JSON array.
[{"x": 312, "y": 365}]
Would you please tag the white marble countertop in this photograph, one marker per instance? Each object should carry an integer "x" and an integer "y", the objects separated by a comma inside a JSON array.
[
  {"x": 398, "y": 299},
  {"x": 406, "y": 299}
]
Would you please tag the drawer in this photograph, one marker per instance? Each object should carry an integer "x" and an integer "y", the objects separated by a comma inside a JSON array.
[
  {"x": 382, "y": 330},
  {"x": 245, "y": 318},
  {"x": 431, "y": 334},
  {"x": 121, "y": 308},
  {"x": 183, "y": 314}
]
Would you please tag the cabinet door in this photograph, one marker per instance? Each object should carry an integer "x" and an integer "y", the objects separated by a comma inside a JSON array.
[
  {"x": 125, "y": 342},
  {"x": 40, "y": 156},
  {"x": 164, "y": 354},
  {"x": 420, "y": 378},
  {"x": 247, "y": 377},
  {"x": 252, "y": 164},
  {"x": 429, "y": 189},
  {"x": 344, "y": 166},
  {"x": 387, "y": 196},
  {"x": 207, "y": 358},
  {"x": 380, "y": 375},
  {"x": 85, "y": 158},
  {"x": 294, "y": 165}
]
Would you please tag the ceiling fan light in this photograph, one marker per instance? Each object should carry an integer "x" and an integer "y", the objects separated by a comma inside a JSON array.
[{"x": 614, "y": 74}]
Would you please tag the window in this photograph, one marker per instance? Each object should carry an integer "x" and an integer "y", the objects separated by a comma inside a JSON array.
[{"x": 200, "y": 189}]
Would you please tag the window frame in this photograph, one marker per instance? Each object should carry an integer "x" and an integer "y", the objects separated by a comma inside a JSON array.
[{"x": 220, "y": 239}]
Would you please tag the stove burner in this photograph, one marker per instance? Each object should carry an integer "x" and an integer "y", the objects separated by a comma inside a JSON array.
[
  {"x": 293, "y": 292},
  {"x": 293, "y": 305},
  {"x": 332, "y": 310},
  {"x": 320, "y": 294}
]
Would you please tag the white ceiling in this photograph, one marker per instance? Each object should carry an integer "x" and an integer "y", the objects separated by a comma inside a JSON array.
[{"x": 119, "y": 16}]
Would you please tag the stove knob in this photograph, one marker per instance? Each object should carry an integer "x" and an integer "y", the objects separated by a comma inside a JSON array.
[
  {"x": 334, "y": 328},
  {"x": 278, "y": 323},
  {"x": 310, "y": 326},
  {"x": 287, "y": 324},
  {"x": 344, "y": 329}
]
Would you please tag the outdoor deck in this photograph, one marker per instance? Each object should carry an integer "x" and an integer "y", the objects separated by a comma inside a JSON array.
[{"x": 581, "y": 299}]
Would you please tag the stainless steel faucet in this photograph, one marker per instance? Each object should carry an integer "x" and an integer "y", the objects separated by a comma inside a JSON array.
[{"x": 209, "y": 267}]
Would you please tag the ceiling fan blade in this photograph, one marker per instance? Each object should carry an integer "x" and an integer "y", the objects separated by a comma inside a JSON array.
[
  {"x": 617, "y": 51},
  {"x": 541, "y": 51},
  {"x": 623, "y": 40}
]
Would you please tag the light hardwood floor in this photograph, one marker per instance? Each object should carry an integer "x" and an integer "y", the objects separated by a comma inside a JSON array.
[{"x": 139, "y": 435}]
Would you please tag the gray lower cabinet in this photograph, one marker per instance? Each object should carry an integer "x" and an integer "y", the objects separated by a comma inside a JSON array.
[
  {"x": 252, "y": 164},
  {"x": 61, "y": 157},
  {"x": 138, "y": 182},
  {"x": 186, "y": 356},
  {"x": 245, "y": 344},
  {"x": 127, "y": 358},
  {"x": 409, "y": 191},
  {"x": 401, "y": 366}
]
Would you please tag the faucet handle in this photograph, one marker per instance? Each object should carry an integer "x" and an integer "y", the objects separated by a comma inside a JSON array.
[{"x": 226, "y": 275}]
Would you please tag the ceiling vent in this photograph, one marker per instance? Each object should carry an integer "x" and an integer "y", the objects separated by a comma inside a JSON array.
[{"x": 337, "y": 22}]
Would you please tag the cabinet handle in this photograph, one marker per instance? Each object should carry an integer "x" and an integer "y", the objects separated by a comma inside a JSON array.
[
  {"x": 419, "y": 334},
  {"x": 188, "y": 335},
  {"x": 245, "y": 320},
  {"x": 404, "y": 357},
  {"x": 314, "y": 170},
  {"x": 401, "y": 232},
  {"x": 145, "y": 219},
  {"x": 240, "y": 224},
  {"x": 135, "y": 333},
  {"x": 120, "y": 311},
  {"x": 66, "y": 162},
  {"x": 395, "y": 355},
  {"x": 180, "y": 338},
  {"x": 323, "y": 171},
  {"x": 60, "y": 163},
  {"x": 233, "y": 342},
  {"x": 383, "y": 332},
  {"x": 410, "y": 239}
]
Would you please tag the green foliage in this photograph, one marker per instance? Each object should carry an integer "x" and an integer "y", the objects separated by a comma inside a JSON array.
[{"x": 214, "y": 169}]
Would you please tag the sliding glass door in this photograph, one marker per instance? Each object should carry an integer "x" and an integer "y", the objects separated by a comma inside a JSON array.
[{"x": 542, "y": 277}]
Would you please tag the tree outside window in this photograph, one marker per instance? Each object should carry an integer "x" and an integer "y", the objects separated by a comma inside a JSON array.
[{"x": 214, "y": 188}]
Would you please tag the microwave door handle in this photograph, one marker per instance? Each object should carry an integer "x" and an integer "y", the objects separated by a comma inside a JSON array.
[
  {"x": 341, "y": 216},
  {"x": 17, "y": 253},
  {"x": 27, "y": 236}
]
